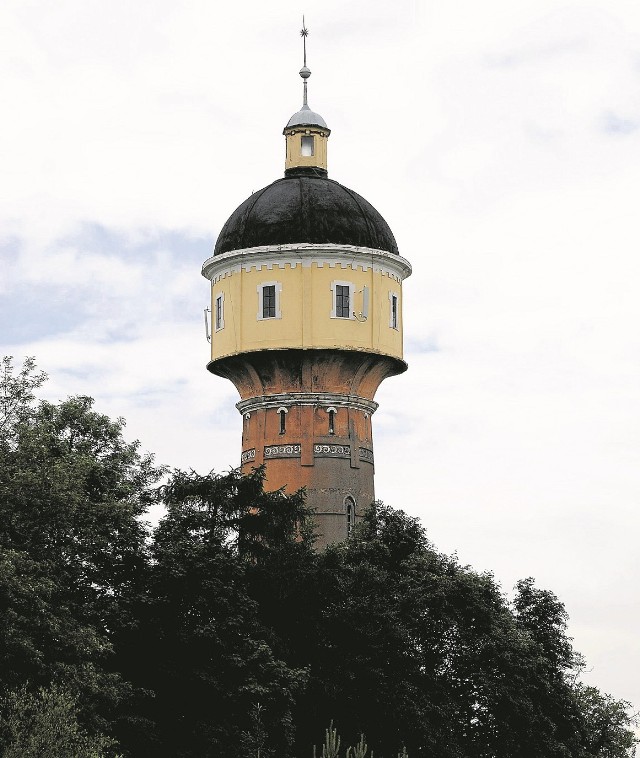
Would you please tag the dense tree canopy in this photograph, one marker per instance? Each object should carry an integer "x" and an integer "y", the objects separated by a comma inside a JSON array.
[
  {"x": 72, "y": 546},
  {"x": 223, "y": 632}
]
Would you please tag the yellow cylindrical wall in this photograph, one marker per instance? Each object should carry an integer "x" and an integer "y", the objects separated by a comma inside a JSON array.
[
  {"x": 294, "y": 146},
  {"x": 306, "y": 318}
]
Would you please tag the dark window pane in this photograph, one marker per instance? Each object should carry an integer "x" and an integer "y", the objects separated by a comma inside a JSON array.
[
  {"x": 342, "y": 301},
  {"x": 350, "y": 507},
  {"x": 269, "y": 301}
]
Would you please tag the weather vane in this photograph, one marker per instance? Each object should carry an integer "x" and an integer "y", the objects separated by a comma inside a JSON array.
[
  {"x": 304, "y": 71},
  {"x": 304, "y": 33}
]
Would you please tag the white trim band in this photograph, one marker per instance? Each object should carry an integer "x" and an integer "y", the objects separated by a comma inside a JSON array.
[
  {"x": 281, "y": 399},
  {"x": 304, "y": 254}
]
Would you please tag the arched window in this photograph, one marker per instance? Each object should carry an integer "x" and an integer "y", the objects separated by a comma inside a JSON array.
[
  {"x": 282, "y": 412},
  {"x": 332, "y": 420},
  {"x": 350, "y": 507}
]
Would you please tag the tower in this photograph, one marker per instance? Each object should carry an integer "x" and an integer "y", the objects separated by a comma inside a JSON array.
[{"x": 306, "y": 302}]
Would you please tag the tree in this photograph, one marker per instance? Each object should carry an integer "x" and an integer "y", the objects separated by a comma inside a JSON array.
[
  {"x": 17, "y": 392},
  {"x": 72, "y": 545},
  {"x": 46, "y": 723},
  {"x": 203, "y": 647},
  {"x": 604, "y": 724},
  {"x": 412, "y": 648},
  {"x": 224, "y": 632}
]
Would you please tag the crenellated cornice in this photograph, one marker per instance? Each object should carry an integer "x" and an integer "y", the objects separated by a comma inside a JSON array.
[{"x": 280, "y": 256}]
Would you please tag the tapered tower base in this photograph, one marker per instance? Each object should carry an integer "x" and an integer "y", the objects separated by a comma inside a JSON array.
[{"x": 307, "y": 418}]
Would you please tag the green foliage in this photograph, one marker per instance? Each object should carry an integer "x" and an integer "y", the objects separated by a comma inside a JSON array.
[
  {"x": 605, "y": 723},
  {"x": 253, "y": 741},
  {"x": 359, "y": 751},
  {"x": 331, "y": 746},
  {"x": 169, "y": 640},
  {"x": 224, "y": 558},
  {"x": 72, "y": 546},
  {"x": 17, "y": 392},
  {"x": 45, "y": 723},
  {"x": 423, "y": 652}
]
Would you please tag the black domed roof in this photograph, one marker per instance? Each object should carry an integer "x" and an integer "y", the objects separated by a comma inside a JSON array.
[{"x": 305, "y": 207}]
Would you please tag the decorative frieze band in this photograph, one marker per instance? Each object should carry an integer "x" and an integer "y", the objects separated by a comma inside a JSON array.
[
  {"x": 319, "y": 451},
  {"x": 264, "y": 402},
  {"x": 332, "y": 451},
  {"x": 248, "y": 455},
  {"x": 282, "y": 451},
  {"x": 281, "y": 256},
  {"x": 366, "y": 454}
]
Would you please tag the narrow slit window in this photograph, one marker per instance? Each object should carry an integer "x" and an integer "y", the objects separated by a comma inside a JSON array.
[
  {"x": 219, "y": 312},
  {"x": 343, "y": 305},
  {"x": 307, "y": 147},
  {"x": 283, "y": 420},
  {"x": 350, "y": 507},
  {"x": 332, "y": 419},
  {"x": 394, "y": 311}
]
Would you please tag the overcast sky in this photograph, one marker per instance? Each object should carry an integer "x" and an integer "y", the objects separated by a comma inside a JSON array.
[{"x": 500, "y": 140}]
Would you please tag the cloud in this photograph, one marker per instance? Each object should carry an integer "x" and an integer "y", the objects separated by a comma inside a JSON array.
[
  {"x": 617, "y": 125},
  {"x": 498, "y": 140}
]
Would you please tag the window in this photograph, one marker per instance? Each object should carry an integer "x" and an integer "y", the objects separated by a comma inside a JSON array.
[
  {"x": 332, "y": 419},
  {"x": 350, "y": 508},
  {"x": 342, "y": 300},
  {"x": 219, "y": 312},
  {"x": 306, "y": 147},
  {"x": 269, "y": 300},
  {"x": 393, "y": 310},
  {"x": 282, "y": 412}
]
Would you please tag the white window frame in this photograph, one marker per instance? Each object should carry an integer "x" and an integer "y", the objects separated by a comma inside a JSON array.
[
  {"x": 218, "y": 324},
  {"x": 278, "y": 290},
  {"x": 351, "y": 287},
  {"x": 392, "y": 296}
]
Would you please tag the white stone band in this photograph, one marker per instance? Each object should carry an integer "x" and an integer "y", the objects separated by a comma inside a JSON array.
[{"x": 264, "y": 402}]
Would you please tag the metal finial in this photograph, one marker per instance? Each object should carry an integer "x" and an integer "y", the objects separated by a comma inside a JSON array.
[
  {"x": 304, "y": 33},
  {"x": 305, "y": 73}
]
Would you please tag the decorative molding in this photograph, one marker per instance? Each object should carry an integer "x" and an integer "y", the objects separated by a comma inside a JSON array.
[
  {"x": 282, "y": 451},
  {"x": 366, "y": 454},
  {"x": 265, "y": 402},
  {"x": 248, "y": 455},
  {"x": 268, "y": 257},
  {"x": 332, "y": 451}
]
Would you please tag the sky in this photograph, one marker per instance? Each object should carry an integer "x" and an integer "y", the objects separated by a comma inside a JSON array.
[{"x": 500, "y": 140}]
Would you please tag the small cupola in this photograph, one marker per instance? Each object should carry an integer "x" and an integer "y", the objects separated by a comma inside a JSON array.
[{"x": 306, "y": 132}]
